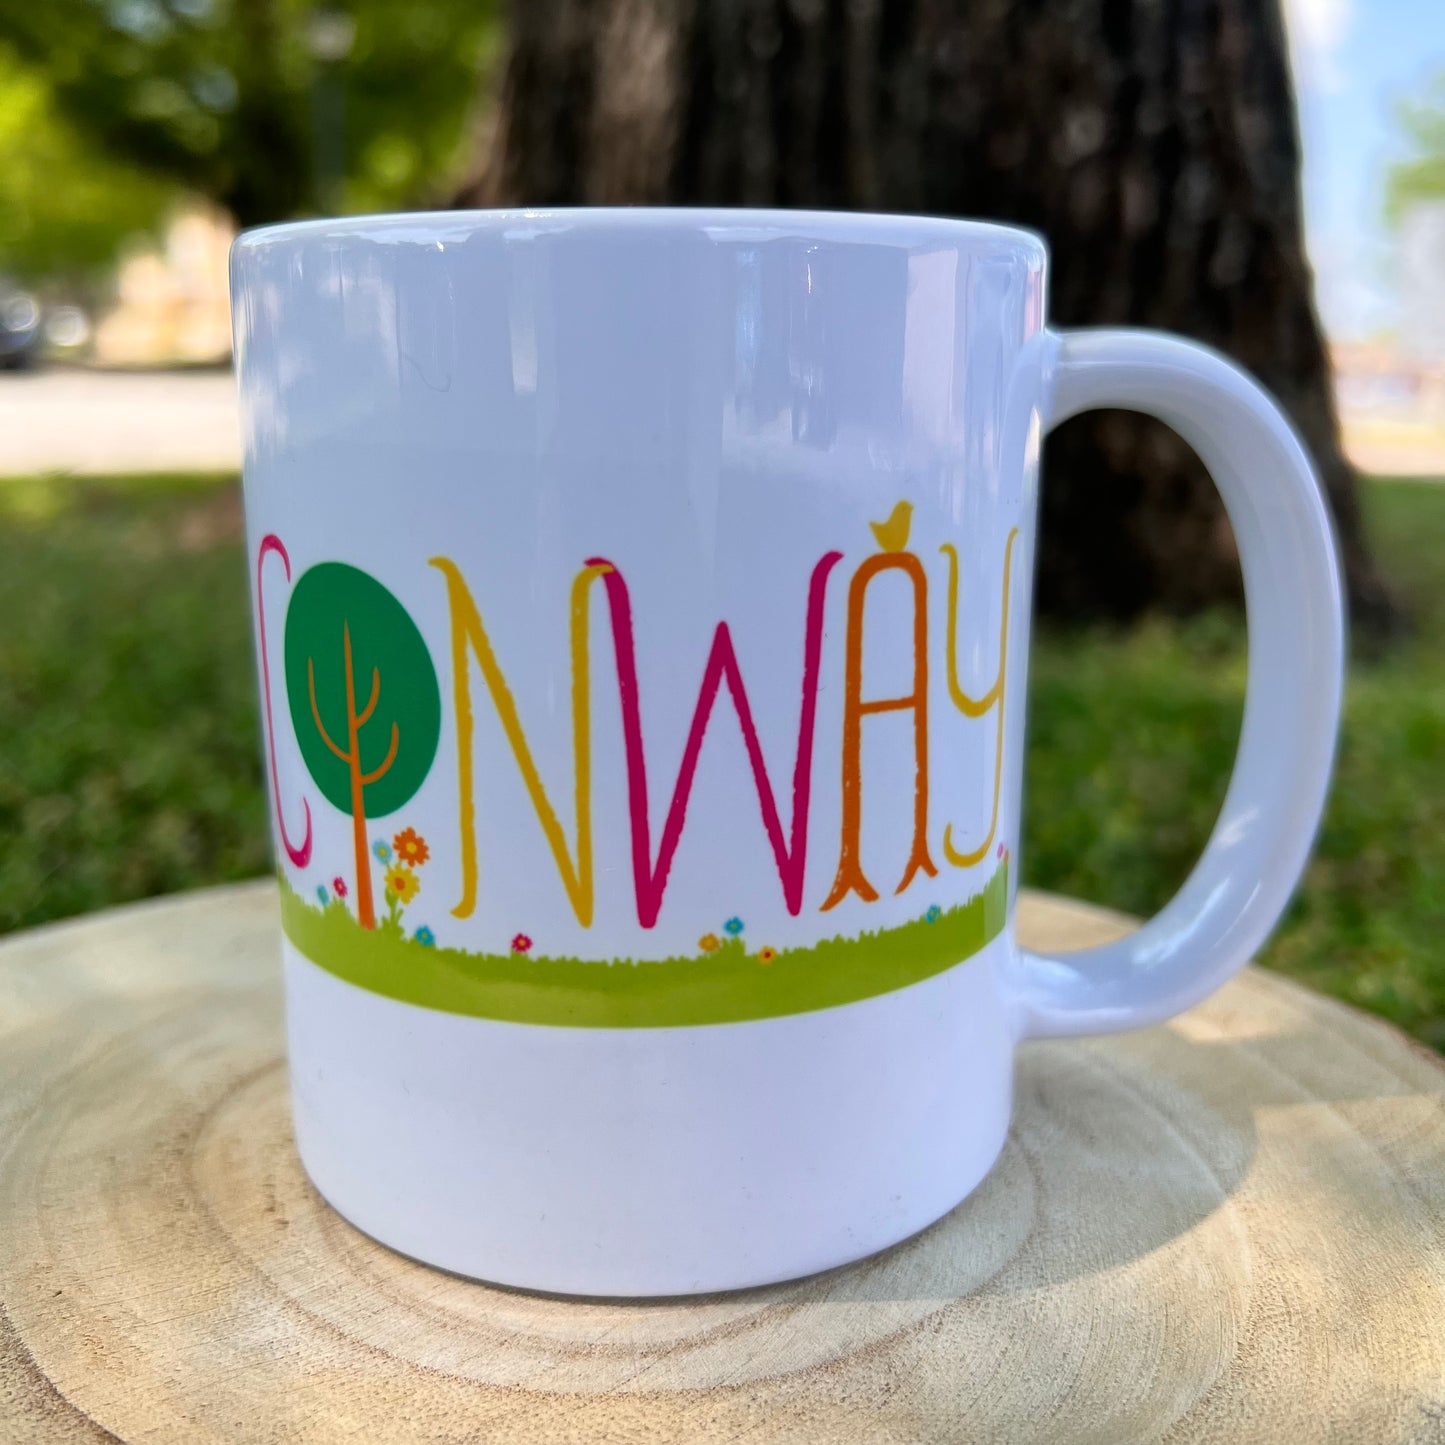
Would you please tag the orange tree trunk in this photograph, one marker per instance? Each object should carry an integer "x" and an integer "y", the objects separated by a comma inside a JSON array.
[{"x": 365, "y": 909}]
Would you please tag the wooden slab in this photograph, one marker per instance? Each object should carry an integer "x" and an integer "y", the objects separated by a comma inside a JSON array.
[{"x": 1228, "y": 1229}]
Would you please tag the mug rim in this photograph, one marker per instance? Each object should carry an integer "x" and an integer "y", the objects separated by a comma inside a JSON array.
[{"x": 770, "y": 223}]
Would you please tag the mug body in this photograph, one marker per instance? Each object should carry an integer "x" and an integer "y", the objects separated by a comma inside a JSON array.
[{"x": 642, "y": 616}]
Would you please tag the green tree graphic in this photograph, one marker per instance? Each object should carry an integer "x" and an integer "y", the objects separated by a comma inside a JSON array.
[{"x": 364, "y": 700}]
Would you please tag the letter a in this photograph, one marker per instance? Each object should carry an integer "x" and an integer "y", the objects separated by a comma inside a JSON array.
[{"x": 850, "y": 877}]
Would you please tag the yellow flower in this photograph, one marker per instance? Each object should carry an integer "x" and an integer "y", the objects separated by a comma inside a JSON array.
[
  {"x": 709, "y": 943},
  {"x": 767, "y": 955},
  {"x": 402, "y": 883}
]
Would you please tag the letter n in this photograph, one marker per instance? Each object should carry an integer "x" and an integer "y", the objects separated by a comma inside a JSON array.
[{"x": 469, "y": 633}]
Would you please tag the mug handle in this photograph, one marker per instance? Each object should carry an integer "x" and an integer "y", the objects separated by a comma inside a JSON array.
[{"x": 1257, "y": 851}]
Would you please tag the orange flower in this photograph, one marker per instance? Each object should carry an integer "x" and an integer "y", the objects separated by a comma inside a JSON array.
[
  {"x": 402, "y": 883},
  {"x": 411, "y": 848},
  {"x": 709, "y": 943},
  {"x": 767, "y": 955}
]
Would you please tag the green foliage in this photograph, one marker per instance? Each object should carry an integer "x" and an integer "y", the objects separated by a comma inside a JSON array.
[
  {"x": 132, "y": 765},
  {"x": 349, "y": 640},
  {"x": 1421, "y": 175},
  {"x": 701, "y": 988},
  {"x": 222, "y": 97},
  {"x": 64, "y": 212}
]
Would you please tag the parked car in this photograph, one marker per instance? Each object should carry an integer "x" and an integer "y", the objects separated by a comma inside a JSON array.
[{"x": 22, "y": 337}]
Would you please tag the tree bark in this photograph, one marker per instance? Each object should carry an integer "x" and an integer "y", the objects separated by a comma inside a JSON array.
[{"x": 1153, "y": 141}]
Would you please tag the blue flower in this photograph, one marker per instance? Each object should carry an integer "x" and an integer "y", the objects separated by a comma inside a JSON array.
[
  {"x": 424, "y": 936},
  {"x": 734, "y": 926},
  {"x": 322, "y": 894},
  {"x": 934, "y": 913},
  {"x": 382, "y": 849}
]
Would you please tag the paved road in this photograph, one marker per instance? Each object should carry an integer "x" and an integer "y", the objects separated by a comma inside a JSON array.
[{"x": 95, "y": 421}]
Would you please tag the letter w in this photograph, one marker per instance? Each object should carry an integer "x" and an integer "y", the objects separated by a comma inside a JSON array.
[
  {"x": 650, "y": 880},
  {"x": 467, "y": 631}
]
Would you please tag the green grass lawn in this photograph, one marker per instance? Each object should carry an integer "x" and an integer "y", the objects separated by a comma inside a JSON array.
[
  {"x": 131, "y": 763},
  {"x": 130, "y": 758},
  {"x": 1131, "y": 740}
]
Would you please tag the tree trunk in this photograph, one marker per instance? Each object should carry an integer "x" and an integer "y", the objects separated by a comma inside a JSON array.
[{"x": 1154, "y": 143}]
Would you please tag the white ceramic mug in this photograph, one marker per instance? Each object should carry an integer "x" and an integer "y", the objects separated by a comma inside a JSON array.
[{"x": 643, "y": 618}]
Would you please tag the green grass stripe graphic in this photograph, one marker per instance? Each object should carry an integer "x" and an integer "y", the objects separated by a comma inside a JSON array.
[{"x": 727, "y": 986}]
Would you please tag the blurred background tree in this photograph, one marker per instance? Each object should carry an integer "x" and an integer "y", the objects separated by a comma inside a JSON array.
[
  {"x": 1156, "y": 147},
  {"x": 63, "y": 210},
  {"x": 1420, "y": 176},
  {"x": 242, "y": 101}
]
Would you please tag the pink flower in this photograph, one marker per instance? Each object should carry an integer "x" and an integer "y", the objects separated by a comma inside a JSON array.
[
  {"x": 1000, "y": 850},
  {"x": 521, "y": 944},
  {"x": 339, "y": 884}
]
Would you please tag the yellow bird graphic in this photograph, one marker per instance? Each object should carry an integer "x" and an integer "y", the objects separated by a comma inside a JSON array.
[{"x": 893, "y": 534}]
